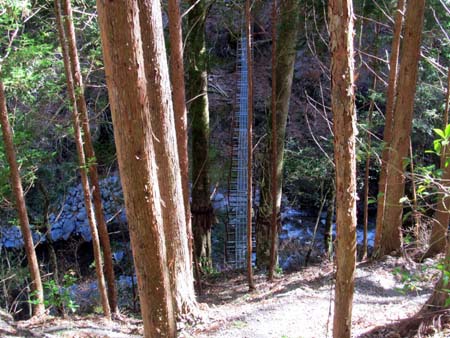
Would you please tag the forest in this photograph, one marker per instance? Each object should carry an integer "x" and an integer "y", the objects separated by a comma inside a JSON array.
[{"x": 224, "y": 168}]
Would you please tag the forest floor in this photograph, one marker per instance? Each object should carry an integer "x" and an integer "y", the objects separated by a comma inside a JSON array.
[{"x": 295, "y": 305}]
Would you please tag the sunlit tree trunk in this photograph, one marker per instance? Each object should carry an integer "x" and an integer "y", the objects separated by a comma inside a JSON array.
[
  {"x": 133, "y": 133},
  {"x": 179, "y": 106},
  {"x": 90, "y": 155},
  {"x": 166, "y": 154},
  {"x": 82, "y": 163},
  {"x": 16, "y": 184},
  {"x": 391, "y": 235},
  {"x": 341, "y": 27},
  {"x": 285, "y": 59},
  {"x": 197, "y": 88},
  {"x": 389, "y": 117}
]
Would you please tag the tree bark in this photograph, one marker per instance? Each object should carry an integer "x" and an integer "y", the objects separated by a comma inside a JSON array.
[
  {"x": 328, "y": 235},
  {"x": 133, "y": 133},
  {"x": 90, "y": 155},
  {"x": 179, "y": 106},
  {"x": 274, "y": 181},
  {"x": 16, "y": 184},
  {"x": 344, "y": 123},
  {"x": 391, "y": 235},
  {"x": 438, "y": 239},
  {"x": 82, "y": 163},
  {"x": 389, "y": 118},
  {"x": 285, "y": 60},
  {"x": 366, "y": 173},
  {"x": 201, "y": 209},
  {"x": 166, "y": 154}
]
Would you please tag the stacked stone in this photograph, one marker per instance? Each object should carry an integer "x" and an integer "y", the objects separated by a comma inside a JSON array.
[
  {"x": 11, "y": 237},
  {"x": 72, "y": 218}
]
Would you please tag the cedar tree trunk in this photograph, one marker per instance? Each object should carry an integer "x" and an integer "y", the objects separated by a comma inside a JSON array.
[
  {"x": 202, "y": 211},
  {"x": 82, "y": 163},
  {"x": 127, "y": 89},
  {"x": 16, "y": 184},
  {"x": 166, "y": 154},
  {"x": 90, "y": 155},
  {"x": 285, "y": 60},
  {"x": 340, "y": 14},
  {"x": 389, "y": 117},
  {"x": 391, "y": 235},
  {"x": 179, "y": 106}
]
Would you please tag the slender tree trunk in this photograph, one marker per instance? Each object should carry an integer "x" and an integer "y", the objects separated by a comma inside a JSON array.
[
  {"x": 439, "y": 299},
  {"x": 166, "y": 154},
  {"x": 179, "y": 106},
  {"x": 438, "y": 239},
  {"x": 366, "y": 173},
  {"x": 133, "y": 133},
  {"x": 274, "y": 182},
  {"x": 90, "y": 155},
  {"x": 389, "y": 120},
  {"x": 201, "y": 209},
  {"x": 16, "y": 184},
  {"x": 248, "y": 28},
  {"x": 415, "y": 207},
  {"x": 285, "y": 60},
  {"x": 82, "y": 162},
  {"x": 328, "y": 237},
  {"x": 391, "y": 235},
  {"x": 344, "y": 123}
]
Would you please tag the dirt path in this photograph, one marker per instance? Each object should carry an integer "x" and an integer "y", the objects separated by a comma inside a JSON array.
[{"x": 299, "y": 305}]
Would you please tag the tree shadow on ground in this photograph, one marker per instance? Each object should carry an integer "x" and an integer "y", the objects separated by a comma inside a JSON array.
[{"x": 423, "y": 324}]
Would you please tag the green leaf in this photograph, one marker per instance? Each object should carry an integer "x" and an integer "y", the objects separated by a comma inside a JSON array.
[
  {"x": 437, "y": 146},
  {"x": 447, "y": 131},
  {"x": 440, "y": 132}
]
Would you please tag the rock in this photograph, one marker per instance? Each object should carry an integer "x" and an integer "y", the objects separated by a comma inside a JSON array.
[
  {"x": 67, "y": 229},
  {"x": 56, "y": 233},
  {"x": 85, "y": 232},
  {"x": 81, "y": 216},
  {"x": 123, "y": 216},
  {"x": 118, "y": 255}
]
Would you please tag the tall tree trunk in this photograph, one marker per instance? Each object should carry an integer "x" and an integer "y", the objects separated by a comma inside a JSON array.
[
  {"x": 389, "y": 118},
  {"x": 344, "y": 123},
  {"x": 366, "y": 173},
  {"x": 391, "y": 235},
  {"x": 202, "y": 211},
  {"x": 133, "y": 133},
  {"x": 439, "y": 298},
  {"x": 328, "y": 236},
  {"x": 179, "y": 106},
  {"x": 90, "y": 154},
  {"x": 82, "y": 163},
  {"x": 438, "y": 239},
  {"x": 274, "y": 182},
  {"x": 166, "y": 154},
  {"x": 16, "y": 184},
  {"x": 248, "y": 29},
  {"x": 285, "y": 60}
]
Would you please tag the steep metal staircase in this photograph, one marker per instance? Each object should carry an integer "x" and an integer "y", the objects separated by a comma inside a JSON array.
[{"x": 236, "y": 244}]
